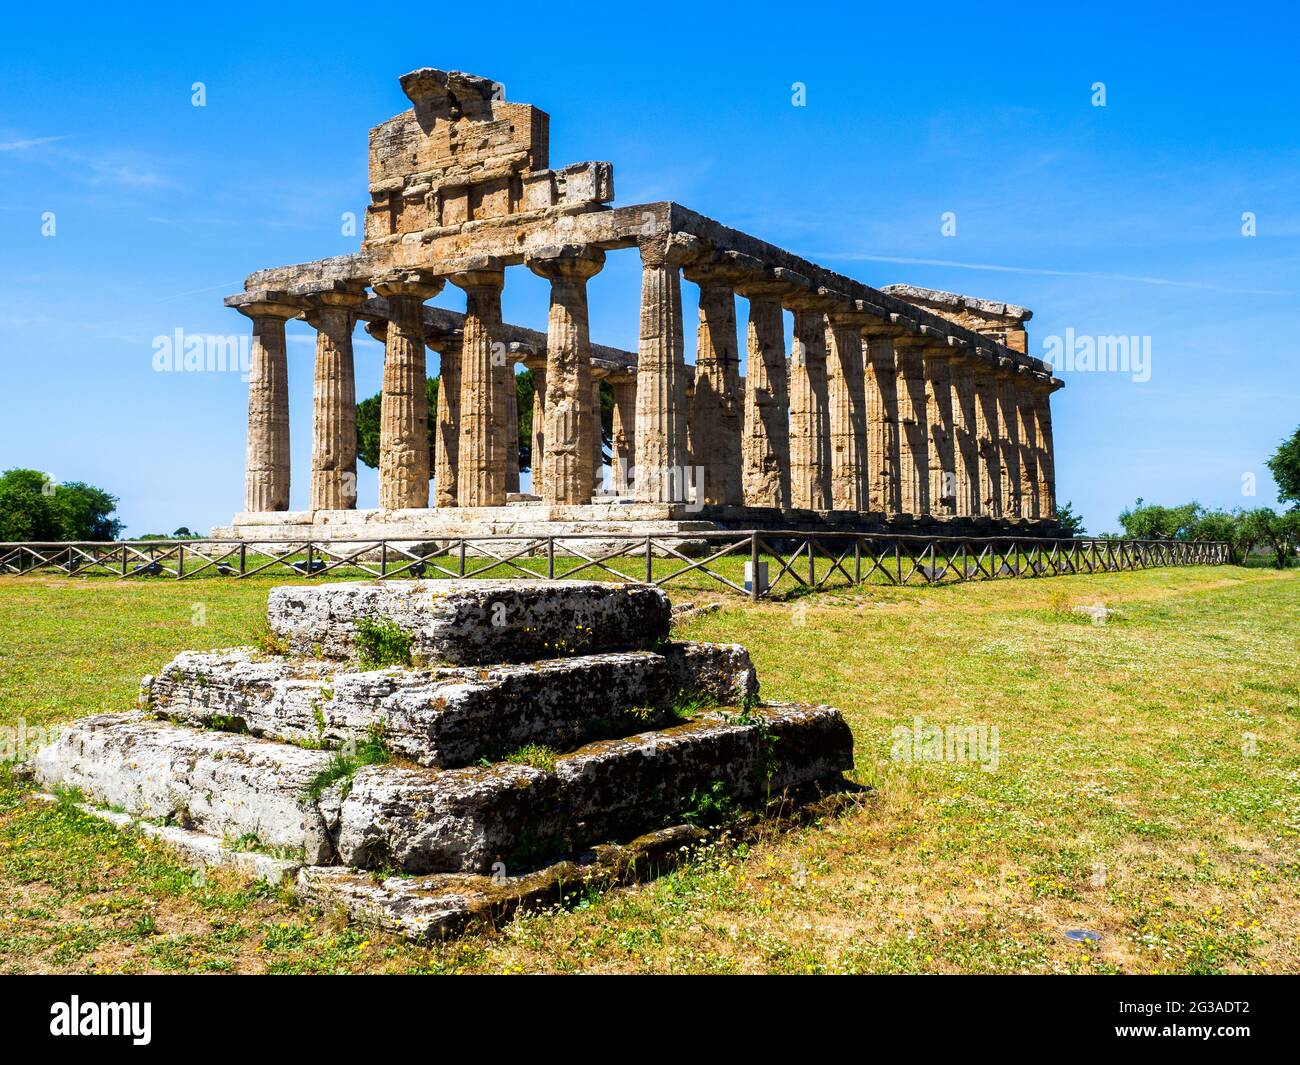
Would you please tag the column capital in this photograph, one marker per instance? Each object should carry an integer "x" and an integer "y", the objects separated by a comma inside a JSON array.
[
  {"x": 773, "y": 283},
  {"x": 674, "y": 249},
  {"x": 723, "y": 269},
  {"x": 876, "y": 321},
  {"x": 1044, "y": 382},
  {"x": 413, "y": 284},
  {"x": 482, "y": 271},
  {"x": 317, "y": 294},
  {"x": 267, "y": 303},
  {"x": 566, "y": 262},
  {"x": 1009, "y": 369},
  {"x": 438, "y": 341}
]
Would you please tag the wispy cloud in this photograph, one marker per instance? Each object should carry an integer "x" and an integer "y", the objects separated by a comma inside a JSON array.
[
  {"x": 1042, "y": 272},
  {"x": 31, "y": 142}
]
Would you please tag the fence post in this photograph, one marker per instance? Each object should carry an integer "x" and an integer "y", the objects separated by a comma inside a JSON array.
[
  {"x": 461, "y": 567},
  {"x": 753, "y": 566},
  {"x": 550, "y": 558},
  {"x": 649, "y": 562},
  {"x": 180, "y": 561}
]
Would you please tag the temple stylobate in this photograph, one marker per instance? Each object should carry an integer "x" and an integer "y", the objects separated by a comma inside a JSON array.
[{"x": 893, "y": 409}]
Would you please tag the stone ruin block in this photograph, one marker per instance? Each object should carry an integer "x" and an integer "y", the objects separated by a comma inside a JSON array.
[
  {"x": 448, "y": 716},
  {"x": 226, "y": 785},
  {"x": 468, "y": 819},
  {"x": 474, "y": 621},
  {"x": 543, "y": 736}
]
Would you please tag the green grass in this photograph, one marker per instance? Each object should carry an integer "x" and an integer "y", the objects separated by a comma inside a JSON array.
[{"x": 1147, "y": 787}]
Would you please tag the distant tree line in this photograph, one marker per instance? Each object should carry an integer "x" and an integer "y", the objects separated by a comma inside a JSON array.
[
  {"x": 1244, "y": 530},
  {"x": 34, "y": 507}
]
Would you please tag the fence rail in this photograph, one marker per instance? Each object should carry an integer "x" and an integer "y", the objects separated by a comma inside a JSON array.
[{"x": 753, "y": 563}]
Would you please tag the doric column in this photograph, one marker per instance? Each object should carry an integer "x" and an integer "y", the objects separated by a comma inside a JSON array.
[
  {"x": 1044, "y": 386},
  {"x": 881, "y": 385},
  {"x": 965, "y": 435},
  {"x": 447, "y": 422},
  {"x": 913, "y": 437},
  {"x": 1027, "y": 422},
  {"x": 1008, "y": 439},
  {"x": 846, "y": 388},
  {"x": 623, "y": 444},
  {"x": 332, "y": 313},
  {"x": 717, "y": 408},
  {"x": 404, "y": 407},
  {"x": 986, "y": 434},
  {"x": 567, "y": 474},
  {"x": 661, "y": 375},
  {"x": 810, "y": 421},
  {"x": 765, "y": 450},
  {"x": 594, "y": 431},
  {"x": 512, "y": 422},
  {"x": 937, "y": 359},
  {"x": 481, "y": 464},
  {"x": 537, "y": 365},
  {"x": 266, "y": 471}
]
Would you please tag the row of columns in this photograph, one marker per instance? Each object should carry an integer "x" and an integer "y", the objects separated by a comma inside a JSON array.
[{"x": 868, "y": 414}]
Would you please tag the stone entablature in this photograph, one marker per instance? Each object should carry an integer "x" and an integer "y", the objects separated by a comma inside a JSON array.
[
  {"x": 1004, "y": 322},
  {"x": 895, "y": 403}
]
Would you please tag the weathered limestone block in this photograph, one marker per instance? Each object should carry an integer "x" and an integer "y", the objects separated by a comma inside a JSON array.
[
  {"x": 442, "y": 717},
  {"x": 441, "y": 905},
  {"x": 721, "y": 671},
  {"x": 239, "y": 689},
  {"x": 464, "y": 820},
  {"x": 225, "y": 785},
  {"x": 474, "y": 621}
]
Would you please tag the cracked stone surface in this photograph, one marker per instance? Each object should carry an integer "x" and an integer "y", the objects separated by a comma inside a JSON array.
[
  {"x": 219, "y": 783},
  {"x": 721, "y": 671},
  {"x": 474, "y": 621},
  {"x": 464, "y": 820},
  {"x": 443, "y": 717},
  {"x": 440, "y": 905},
  {"x": 449, "y": 716}
]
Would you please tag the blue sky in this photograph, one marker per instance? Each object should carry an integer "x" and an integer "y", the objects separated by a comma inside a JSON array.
[{"x": 1116, "y": 220}]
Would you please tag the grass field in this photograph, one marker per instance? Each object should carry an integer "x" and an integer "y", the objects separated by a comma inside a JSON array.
[{"x": 1146, "y": 787}]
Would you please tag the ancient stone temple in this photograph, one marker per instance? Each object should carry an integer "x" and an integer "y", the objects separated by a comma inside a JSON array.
[{"x": 893, "y": 409}]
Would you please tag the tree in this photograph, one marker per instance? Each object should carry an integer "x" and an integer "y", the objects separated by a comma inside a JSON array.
[
  {"x": 1071, "y": 523},
  {"x": 1280, "y": 531},
  {"x": 26, "y": 512},
  {"x": 33, "y": 507},
  {"x": 1285, "y": 467},
  {"x": 1149, "y": 521}
]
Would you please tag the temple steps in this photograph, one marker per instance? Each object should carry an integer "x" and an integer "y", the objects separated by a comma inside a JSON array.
[{"x": 446, "y": 716}]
